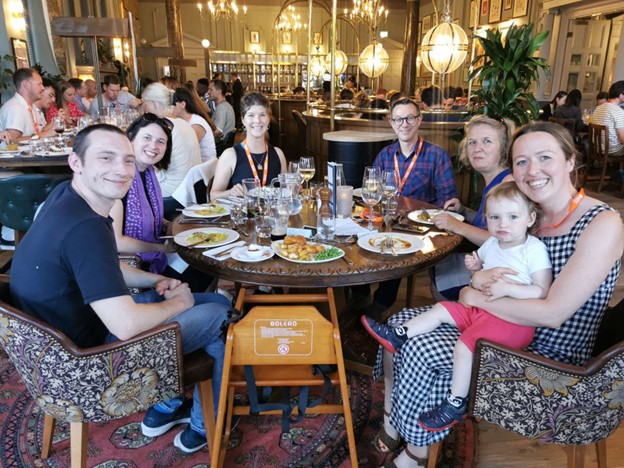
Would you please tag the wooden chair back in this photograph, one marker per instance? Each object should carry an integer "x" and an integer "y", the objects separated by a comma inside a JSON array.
[{"x": 282, "y": 343}]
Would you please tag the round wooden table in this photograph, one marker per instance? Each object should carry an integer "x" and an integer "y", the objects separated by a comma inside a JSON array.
[{"x": 368, "y": 267}]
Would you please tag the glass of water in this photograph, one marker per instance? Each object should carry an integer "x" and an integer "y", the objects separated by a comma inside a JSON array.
[
  {"x": 263, "y": 227},
  {"x": 327, "y": 226},
  {"x": 238, "y": 212}
]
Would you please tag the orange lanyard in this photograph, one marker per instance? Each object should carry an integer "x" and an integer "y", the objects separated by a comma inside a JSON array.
[
  {"x": 253, "y": 166},
  {"x": 410, "y": 167},
  {"x": 32, "y": 116},
  {"x": 576, "y": 201}
]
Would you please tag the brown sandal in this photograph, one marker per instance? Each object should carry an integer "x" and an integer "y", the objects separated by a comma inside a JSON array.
[
  {"x": 383, "y": 442},
  {"x": 421, "y": 461}
]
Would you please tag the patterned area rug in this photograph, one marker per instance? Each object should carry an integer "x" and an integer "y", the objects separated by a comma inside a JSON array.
[{"x": 317, "y": 441}]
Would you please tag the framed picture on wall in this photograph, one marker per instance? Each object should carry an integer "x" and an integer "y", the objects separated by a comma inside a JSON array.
[
  {"x": 508, "y": 4},
  {"x": 485, "y": 7},
  {"x": 426, "y": 24},
  {"x": 495, "y": 10},
  {"x": 521, "y": 8},
  {"x": 474, "y": 8},
  {"x": 318, "y": 38},
  {"x": 287, "y": 37},
  {"x": 20, "y": 52},
  {"x": 254, "y": 37}
]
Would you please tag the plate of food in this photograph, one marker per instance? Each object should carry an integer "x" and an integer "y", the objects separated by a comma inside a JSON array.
[
  {"x": 245, "y": 254},
  {"x": 206, "y": 237},
  {"x": 298, "y": 249},
  {"x": 11, "y": 149},
  {"x": 54, "y": 152},
  {"x": 207, "y": 210},
  {"x": 402, "y": 243},
  {"x": 426, "y": 216}
]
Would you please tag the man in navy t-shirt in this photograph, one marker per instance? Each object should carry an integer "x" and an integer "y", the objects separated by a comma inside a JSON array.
[{"x": 66, "y": 271}]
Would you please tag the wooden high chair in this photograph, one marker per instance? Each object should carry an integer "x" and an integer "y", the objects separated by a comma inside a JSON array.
[{"x": 282, "y": 343}]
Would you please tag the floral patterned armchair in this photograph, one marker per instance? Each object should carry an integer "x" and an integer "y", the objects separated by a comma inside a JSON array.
[
  {"x": 102, "y": 383},
  {"x": 546, "y": 400}
]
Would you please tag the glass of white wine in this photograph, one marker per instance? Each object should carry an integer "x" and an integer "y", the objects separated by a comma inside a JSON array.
[
  {"x": 372, "y": 190},
  {"x": 306, "y": 170}
]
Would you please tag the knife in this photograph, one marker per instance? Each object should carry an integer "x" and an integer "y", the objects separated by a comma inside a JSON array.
[
  {"x": 203, "y": 221},
  {"x": 418, "y": 230}
]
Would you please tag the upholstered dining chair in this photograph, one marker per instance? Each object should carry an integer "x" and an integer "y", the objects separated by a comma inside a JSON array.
[
  {"x": 107, "y": 382},
  {"x": 572, "y": 406},
  {"x": 21, "y": 195}
]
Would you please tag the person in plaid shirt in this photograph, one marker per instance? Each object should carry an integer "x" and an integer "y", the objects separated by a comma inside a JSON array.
[{"x": 425, "y": 172}]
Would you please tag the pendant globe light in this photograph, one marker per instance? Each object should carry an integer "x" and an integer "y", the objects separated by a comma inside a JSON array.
[
  {"x": 374, "y": 60},
  {"x": 445, "y": 46},
  {"x": 340, "y": 62}
]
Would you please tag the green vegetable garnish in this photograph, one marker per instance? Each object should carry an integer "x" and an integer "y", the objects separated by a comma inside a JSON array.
[{"x": 332, "y": 252}]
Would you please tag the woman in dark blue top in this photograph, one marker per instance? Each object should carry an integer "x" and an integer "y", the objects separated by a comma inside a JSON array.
[
  {"x": 484, "y": 148},
  {"x": 254, "y": 157}
]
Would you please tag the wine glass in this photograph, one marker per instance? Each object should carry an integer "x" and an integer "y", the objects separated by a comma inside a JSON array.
[
  {"x": 372, "y": 171},
  {"x": 58, "y": 124},
  {"x": 390, "y": 211},
  {"x": 372, "y": 191},
  {"x": 390, "y": 183},
  {"x": 306, "y": 170}
]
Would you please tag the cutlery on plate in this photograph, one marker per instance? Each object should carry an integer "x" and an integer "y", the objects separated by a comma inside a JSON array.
[
  {"x": 226, "y": 251},
  {"x": 202, "y": 221}
]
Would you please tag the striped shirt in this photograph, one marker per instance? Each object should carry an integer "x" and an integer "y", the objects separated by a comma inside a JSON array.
[{"x": 612, "y": 116}]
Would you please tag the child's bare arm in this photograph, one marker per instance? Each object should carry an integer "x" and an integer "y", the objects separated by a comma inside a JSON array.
[{"x": 503, "y": 288}]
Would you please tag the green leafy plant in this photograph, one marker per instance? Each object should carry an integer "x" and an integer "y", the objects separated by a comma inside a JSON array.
[
  {"x": 507, "y": 71},
  {"x": 44, "y": 74},
  {"x": 6, "y": 71}
]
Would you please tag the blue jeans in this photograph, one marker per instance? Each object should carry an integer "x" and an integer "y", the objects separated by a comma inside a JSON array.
[{"x": 200, "y": 326}]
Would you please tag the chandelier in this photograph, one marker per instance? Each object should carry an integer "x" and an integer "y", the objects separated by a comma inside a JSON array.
[
  {"x": 369, "y": 12},
  {"x": 289, "y": 21},
  {"x": 445, "y": 46},
  {"x": 225, "y": 9},
  {"x": 374, "y": 60},
  {"x": 340, "y": 62}
]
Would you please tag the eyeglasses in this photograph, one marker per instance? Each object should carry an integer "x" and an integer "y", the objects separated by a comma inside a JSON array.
[
  {"x": 153, "y": 118},
  {"x": 410, "y": 119}
]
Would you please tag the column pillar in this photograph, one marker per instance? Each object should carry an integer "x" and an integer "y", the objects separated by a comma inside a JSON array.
[
  {"x": 410, "y": 48},
  {"x": 174, "y": 32}
]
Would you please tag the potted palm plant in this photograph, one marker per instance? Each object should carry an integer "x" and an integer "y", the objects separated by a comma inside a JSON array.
[
  {"x": 507, "y": 69},
  {"x": 6, "y": 73}
]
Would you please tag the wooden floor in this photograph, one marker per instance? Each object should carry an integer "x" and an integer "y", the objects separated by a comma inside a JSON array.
[{"x": 500, "y": 448}]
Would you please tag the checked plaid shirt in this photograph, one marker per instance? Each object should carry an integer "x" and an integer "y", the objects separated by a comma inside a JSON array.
[{"x": 431, "y": 180}]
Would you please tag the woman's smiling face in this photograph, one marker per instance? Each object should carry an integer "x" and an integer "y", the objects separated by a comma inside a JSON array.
[
  {"x": 539, "y": 165},
  {"x": 256, "y": 120},
  {"x": 150, "y": 144}
]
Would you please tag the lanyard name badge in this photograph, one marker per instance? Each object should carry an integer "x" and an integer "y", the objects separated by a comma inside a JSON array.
[{"x": 410, "y": 167}]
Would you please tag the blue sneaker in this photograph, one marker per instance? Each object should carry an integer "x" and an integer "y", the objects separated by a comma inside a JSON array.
[
  {"x": 443, "y": 416},
  {"x": 189, "y": 441},
  {"x": 156, "y": 423},
  {"x": 391, "y": 338}
]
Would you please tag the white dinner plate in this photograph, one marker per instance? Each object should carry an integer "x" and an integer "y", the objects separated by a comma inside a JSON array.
[
  {"x": 184, "y": 238},
  {"x": 208, "y": 210},
  {"x": 6, "y": 152},
  {"x": 414, "y": 215},
  {"x": 357, "y": 192},
  {"x": 65, "y": 152},
  {"x": 403, "y": 243},
  {"x": 276, "y": 249},
  {"x": 240, "y": 254}
]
